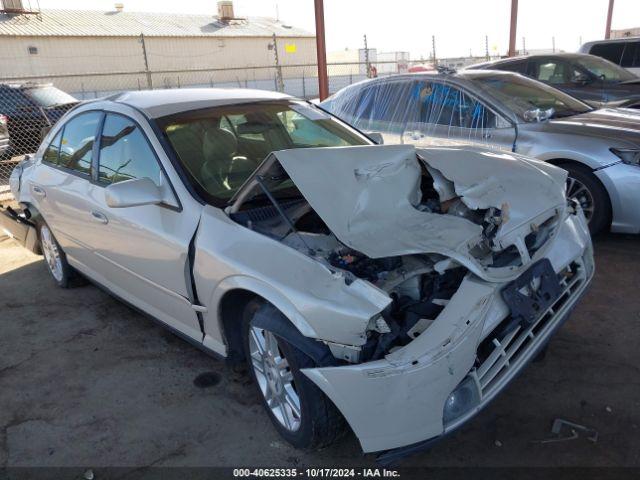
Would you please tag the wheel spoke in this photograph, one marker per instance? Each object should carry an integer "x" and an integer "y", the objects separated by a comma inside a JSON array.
[
  {"x": 258, "y": 339},
  {"x": 257, "y": 365},
  {"x": 295, "y": 408},
  {"x": 285, "y": 415},
  {"x": 271, "y": 343}
]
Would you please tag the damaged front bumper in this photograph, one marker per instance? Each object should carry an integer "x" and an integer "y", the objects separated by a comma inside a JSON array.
[{"x": 460, "y": 363}]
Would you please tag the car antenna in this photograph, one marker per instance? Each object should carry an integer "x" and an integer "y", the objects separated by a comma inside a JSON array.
[{"x": 260, "y": 181}]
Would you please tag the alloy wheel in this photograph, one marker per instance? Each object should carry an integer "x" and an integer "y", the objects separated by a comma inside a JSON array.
[
  {"x": 275, "y": 378},
  {"x": 51, "y": 253}
]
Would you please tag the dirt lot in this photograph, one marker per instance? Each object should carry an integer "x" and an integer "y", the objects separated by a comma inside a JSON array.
[{"x": 85, "y": 381}]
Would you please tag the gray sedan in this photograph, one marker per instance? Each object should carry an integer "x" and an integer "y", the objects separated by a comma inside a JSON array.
[{"x": 599, "y": 148}]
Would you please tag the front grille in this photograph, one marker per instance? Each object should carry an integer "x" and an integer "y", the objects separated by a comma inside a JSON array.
[{"x": 497, "y": 355}]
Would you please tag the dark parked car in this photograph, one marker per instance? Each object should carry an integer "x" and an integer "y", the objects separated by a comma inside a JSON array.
[
  {"x": 29, "y": 111},
  {"x": 592, "y": 79}
]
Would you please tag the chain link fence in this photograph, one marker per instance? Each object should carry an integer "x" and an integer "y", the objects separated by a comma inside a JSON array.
[{"x": 30, "y": 105}]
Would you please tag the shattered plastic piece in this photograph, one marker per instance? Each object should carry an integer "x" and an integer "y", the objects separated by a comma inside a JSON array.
[
  {"x": 88, "y": 474},
  {"x": 574, "y": 428},
  {"x": 497, "y": 443},
  {"x": 608, "y": 409}
]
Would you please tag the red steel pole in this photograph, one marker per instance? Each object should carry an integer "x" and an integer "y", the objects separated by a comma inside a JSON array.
[
  {"x": 321, "y": 50},
  {"x": 513, "y": 28},
  {"x": 607, "y": 30}
]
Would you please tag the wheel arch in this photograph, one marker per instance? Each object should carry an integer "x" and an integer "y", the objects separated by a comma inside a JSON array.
[
  {"x": 560, "y": 162},
  {"x": 231, "y": 298}
]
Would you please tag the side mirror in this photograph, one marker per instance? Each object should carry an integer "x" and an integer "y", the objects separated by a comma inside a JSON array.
[
  {"x": 538, "y": 115},
  {"x": 133, "y": 193},
  {"x": 376, "y": 137}
]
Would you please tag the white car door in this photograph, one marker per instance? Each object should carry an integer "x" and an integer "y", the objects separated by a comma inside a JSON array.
[{"x": 143, "y": 250}]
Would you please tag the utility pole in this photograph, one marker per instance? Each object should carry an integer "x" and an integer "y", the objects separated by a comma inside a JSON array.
[
  {"x": 279, "y": 80},
  {"x": 553, "y": 44},
  {"x": 524, "y": 46},
  {"x": 486, "y": 47},
  {"x": 607, "y": 29},
  {"x": 321, "y": 51},
  {"x": 513, "y": 26},
  {"x": 433, "y": 50},
  {"x": 367, "y": 64},
  {"x": 146, "y": 62}
]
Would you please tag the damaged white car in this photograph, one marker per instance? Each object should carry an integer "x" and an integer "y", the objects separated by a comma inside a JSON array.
[{"x": 398, "y": 289}]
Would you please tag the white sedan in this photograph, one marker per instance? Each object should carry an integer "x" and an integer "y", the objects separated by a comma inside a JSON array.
[{"x": 394, "y": 288}]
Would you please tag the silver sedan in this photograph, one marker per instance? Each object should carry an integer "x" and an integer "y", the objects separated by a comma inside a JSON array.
[{"x": 599, "y": 148}]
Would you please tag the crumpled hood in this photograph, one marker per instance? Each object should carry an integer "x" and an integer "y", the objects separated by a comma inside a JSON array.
[
  {"x": 367, "y": 195},
  {"x": 618, "y": 123}
]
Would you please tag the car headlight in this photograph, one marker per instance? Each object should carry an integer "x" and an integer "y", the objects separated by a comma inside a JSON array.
[
  {"x": 630, "y": 156},
  {"x": 461, "y": 400}
]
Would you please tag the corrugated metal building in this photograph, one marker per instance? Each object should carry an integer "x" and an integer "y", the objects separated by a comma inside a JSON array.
[{"x": 110, "y": 51}]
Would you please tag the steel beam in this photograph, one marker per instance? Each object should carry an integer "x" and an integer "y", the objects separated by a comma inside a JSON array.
[{"x": 321, "y": 51}]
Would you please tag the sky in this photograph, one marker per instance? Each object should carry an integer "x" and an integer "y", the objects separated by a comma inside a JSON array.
[{"x": 459, "y": 26}]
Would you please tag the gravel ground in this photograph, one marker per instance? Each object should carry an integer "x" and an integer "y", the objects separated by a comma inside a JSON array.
[{"x": 86, "y": 381}]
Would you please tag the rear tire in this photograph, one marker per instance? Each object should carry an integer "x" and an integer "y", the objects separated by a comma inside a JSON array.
[
  {"x": 308, "y": 419},
  {"x": 583, "y": 186},
  {"x": 55, "y": 259}
]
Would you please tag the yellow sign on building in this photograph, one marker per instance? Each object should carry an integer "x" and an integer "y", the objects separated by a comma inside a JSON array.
[{"x": 290, "y": 47}]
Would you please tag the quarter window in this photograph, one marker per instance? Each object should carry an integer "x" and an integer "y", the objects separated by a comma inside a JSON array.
[
  {"x": 77, "y": 142},
  {"x": 125, "y": 153}
]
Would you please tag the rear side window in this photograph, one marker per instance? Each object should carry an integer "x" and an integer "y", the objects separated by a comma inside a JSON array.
[
  {"x": 77, "y": 142},
  {"x": 385, "y": 106},
  {"x": 125, "y": 153},
  {"x": 51, "y": 153},
  {"x": 609, "y": 51}
]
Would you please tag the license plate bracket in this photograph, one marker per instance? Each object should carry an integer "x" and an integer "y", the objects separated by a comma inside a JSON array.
[{"x": 526, "y": 309}]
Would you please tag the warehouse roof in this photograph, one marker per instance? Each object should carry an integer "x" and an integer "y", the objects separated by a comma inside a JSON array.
[{"x": 94, "y": 23}]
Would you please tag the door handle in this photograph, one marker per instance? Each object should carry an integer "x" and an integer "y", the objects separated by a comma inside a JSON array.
[
  {"x": 100, "y": 217},
  {"x": 38, "y": 191}
]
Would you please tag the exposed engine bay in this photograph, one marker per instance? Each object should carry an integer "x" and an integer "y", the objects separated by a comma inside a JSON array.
[
  {"x": 419, "y": 285},
  {"x": 414, "y": 268}
]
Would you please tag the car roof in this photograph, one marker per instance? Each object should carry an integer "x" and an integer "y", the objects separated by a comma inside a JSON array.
[
  {"x": 505, "y": 61},
  {"x": 461, "y": 76},
  {"x": 160, "y": 103},
  {"x": 611, "y": 40}
]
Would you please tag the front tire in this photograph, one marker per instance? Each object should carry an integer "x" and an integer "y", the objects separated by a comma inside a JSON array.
[
  {"x": 583, "y": 186},
  {"x": 300, "y": 411}
]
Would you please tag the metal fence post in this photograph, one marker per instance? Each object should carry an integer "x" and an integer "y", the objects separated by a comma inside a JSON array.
[{"x": 146, "y": 62}]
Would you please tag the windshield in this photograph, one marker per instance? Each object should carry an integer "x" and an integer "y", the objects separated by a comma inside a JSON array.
[
  {"x": 49, "y": 96},
  {"x": 601, "y": 68},
  {"x": 523, "y": 95},
  {"x": 221, "y": 147}
]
